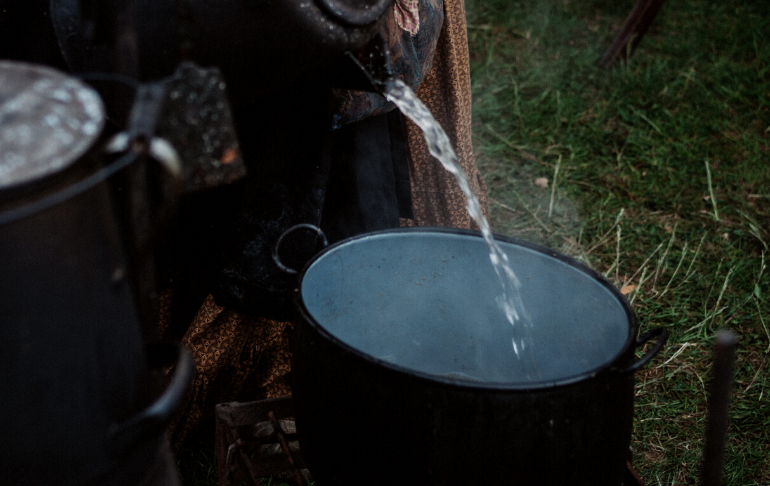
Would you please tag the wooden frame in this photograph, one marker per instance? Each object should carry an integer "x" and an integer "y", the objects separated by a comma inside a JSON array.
[{"x": 250, "y": 447}]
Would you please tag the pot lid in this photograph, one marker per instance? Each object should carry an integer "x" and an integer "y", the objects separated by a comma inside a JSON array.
[{"x": 47, "y": 121}]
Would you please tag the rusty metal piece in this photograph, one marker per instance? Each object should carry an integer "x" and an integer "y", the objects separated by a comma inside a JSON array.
[
  {"x": 633, "y": 30},
  {"x": 718, "y": 402}
]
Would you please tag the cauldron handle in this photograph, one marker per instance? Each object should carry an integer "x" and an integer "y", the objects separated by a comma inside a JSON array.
[
  {"x": 151, "y": 421},
  {"x": 277, "y": 259},
  {"x": 662, "y": 334}
]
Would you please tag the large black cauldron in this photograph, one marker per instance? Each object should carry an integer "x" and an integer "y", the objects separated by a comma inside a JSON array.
[{"x": 404, "y": 369}]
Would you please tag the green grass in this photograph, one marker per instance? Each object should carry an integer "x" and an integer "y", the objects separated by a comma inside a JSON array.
[
  {"x": 663, "y": 185},
  {"x": 197, "y": 464}
]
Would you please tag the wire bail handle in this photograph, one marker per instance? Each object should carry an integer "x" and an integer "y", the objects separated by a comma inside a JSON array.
[{"x": 294, "y": 228}]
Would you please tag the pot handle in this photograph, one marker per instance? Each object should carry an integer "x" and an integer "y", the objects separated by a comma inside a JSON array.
[
  {"x": 153, "y": 420},
  {"x": 662, "y": 334},
  {"x": 294, "y": 228}
]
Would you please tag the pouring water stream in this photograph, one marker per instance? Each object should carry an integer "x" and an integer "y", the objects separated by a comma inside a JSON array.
[{"x": 440, "y": 147}]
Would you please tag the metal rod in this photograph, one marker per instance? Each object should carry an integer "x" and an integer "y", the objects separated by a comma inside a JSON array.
[{"x": 718, "y": 402}]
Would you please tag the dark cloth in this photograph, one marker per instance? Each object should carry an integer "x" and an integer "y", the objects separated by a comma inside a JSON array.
[
  {"x": 227, "y": 235},
  {"x": 346, "y": 171},
  {"x": 368, "y": 188},
  {"x": 347, "y": 181}
]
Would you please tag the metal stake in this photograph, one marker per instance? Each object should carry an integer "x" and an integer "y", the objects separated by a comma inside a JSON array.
[{"x": 718, "y": 402}]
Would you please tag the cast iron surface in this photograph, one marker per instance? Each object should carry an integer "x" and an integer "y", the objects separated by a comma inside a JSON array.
[
  {"x": 72, "y": 358},
  {"x": 359, "y": 13},
  {"x": 407, "y": 420},
  {"x": 712, "y": 468},
  {"x": 75, "y": 380}
]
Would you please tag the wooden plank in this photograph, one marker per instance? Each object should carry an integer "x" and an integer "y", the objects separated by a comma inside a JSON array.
[
  {"x": 237, "y": 413},
  {"x": 251, "y": 423}
]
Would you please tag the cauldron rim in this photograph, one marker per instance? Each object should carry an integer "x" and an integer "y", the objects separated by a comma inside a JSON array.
[{"x": 619, "y": 363}]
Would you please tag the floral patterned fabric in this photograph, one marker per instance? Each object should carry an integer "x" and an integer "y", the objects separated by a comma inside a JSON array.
[
  {"x": 446, "y": 91},
  {"x": 232, "y": 353}
]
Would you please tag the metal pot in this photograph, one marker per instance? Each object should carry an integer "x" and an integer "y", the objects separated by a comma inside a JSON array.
[
  {"x": 258, "y": 45},
  {"x": 404, "y": 370},
  {"x": 75, "y": 378}
]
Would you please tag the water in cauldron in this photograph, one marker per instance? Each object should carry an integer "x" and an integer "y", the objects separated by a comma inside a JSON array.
[{"x": 441, "y": 148}]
